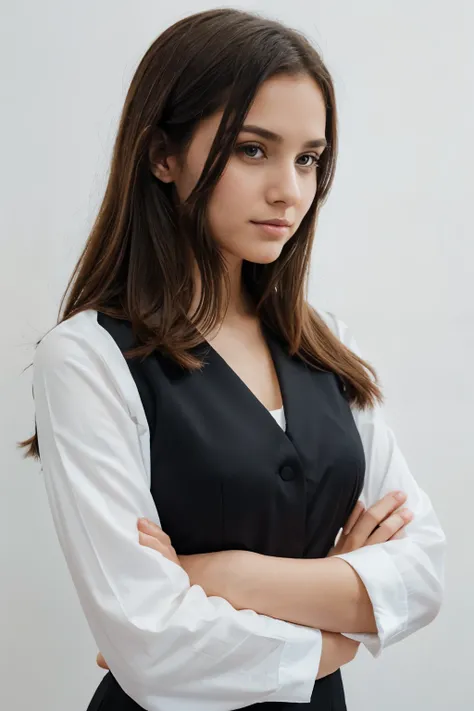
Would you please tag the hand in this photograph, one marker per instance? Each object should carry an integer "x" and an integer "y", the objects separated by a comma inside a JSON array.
[
  {"x": 152, "y": 536},
  {"x": 101, "y": 661},
  {"x": 205, "y": 569},
  {"x": 380, "y": 523},
  {"x": 337, "y": 650}
]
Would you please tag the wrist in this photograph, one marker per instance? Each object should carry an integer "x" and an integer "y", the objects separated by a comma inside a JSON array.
[{"x": 239, "y": 570}]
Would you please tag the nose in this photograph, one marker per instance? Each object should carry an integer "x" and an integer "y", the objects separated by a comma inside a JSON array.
[{"x": 284, "y": 185}]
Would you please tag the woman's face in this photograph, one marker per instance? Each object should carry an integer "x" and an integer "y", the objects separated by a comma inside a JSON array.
[{"x": 265, "y": 177}]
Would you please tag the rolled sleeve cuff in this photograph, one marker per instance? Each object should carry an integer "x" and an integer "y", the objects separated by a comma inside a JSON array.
[
  {"x": 299, "y": 666},
  {"x": 387, "y": 593}
]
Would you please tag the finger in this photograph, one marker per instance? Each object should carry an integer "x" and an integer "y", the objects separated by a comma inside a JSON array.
[
  {"x": 353, "y": 518},
  {"x": 152, "y": 529},
  {"x": 390, "y": 527},
  {"x": 374, "y": 516},
  {"x": 399, "y": 534},
  {"x": 151, "y": 542},
  {"x": 101, "y": 661}
]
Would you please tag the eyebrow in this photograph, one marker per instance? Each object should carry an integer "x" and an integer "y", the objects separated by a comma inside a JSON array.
[{"x": 269, "y": 135}]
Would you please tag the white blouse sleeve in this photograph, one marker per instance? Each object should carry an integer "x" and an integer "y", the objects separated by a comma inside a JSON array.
[
  {"x": 167, "y": 643},
  {"x": 404, "y": 577}
]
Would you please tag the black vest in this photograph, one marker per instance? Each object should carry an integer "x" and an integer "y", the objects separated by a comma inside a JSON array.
[{"x": 226, "y": 476}]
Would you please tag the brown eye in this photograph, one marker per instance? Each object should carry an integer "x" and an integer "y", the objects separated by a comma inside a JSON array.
[
  {"x": 316, "y": 160},
  {"x": 247, "y": 147}
]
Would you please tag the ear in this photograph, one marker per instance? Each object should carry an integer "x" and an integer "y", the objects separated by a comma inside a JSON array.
[
  {"x": 163, "y": 166},
  {"x": 163, "y": 171}
]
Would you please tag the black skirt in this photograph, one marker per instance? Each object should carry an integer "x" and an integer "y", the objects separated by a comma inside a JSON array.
[{"x": 328, "y": 694}]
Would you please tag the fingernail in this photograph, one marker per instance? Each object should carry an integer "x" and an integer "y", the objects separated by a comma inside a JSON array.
[{"x": 399, "y": 495}]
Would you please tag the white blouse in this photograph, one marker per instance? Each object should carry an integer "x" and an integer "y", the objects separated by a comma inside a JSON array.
[{"x": 170, "y": 646}]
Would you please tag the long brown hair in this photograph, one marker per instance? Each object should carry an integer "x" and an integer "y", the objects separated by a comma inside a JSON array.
[{"x": 139, "y": 259}]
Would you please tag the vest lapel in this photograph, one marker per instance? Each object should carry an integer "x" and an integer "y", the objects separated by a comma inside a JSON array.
[{"x": 239, "y": 390}]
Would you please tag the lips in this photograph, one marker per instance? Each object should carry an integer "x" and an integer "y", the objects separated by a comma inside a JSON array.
[
  {"x": 272, "y": 230},
  {"x": 276, "y": 223}
]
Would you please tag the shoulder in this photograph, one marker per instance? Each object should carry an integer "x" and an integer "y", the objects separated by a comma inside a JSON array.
[
  {"x": 82, "y": 345},
  {"x": 338, "y": 327},
  {"x": 79, "y": 337}
]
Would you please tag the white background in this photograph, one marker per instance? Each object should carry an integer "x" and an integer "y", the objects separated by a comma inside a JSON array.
[{"x": 393, "y": 258}]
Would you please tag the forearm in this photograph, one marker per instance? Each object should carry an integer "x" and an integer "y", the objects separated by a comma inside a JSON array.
[{"x": 325, "y": 593}]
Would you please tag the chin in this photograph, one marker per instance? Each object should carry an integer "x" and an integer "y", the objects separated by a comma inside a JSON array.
[{"x": 264, "y": 254}]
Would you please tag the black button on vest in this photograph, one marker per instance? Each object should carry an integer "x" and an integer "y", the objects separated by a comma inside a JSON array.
[
  {"x": 226, "y": 476},
  {"x": 287, "y": 473}
]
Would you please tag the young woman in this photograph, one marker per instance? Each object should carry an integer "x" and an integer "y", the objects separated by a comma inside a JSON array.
[{"x": 190, "y": 382}]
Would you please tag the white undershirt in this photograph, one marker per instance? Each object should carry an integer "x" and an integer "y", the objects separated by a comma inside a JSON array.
[{"x": 279, "y": 416}]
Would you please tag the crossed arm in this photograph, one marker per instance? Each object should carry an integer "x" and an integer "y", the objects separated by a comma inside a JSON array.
[{"x": 325, "y": 593}]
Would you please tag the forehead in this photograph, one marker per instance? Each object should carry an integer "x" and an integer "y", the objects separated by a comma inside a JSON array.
[{"x": 292, "y": 107}]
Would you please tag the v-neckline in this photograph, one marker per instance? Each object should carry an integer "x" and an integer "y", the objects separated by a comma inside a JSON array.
[{"x": 278, "y": 370}]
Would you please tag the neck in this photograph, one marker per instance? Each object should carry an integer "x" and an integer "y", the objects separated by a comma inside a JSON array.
[{"x": 240, "y": 306}]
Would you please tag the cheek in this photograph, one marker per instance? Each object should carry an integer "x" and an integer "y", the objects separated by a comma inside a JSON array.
[
  {"x": 308, "y": 193},
  {"x": 237, "y": 198},
  {"x": 232, "y": 200}
]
